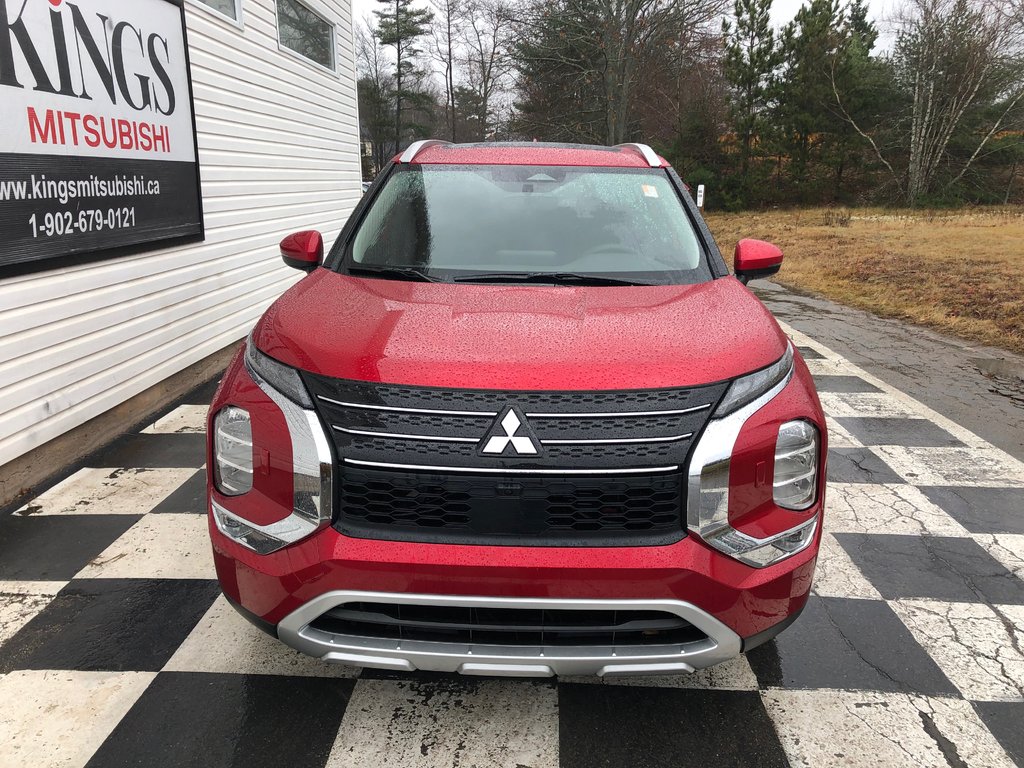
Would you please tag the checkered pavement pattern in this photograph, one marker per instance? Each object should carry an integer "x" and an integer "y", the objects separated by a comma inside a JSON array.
[{"x": 117, "y": 650}]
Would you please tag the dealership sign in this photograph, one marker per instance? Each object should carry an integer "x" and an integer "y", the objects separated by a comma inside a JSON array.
[{"x": 97, "y": 131}]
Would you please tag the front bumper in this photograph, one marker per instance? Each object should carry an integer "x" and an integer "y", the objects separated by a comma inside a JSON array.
[
  {"x": 733, "y": 605},
  {"x": 720, "y": 643}
]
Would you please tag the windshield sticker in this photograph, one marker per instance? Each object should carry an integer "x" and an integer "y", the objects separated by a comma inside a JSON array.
[{"x": 649, "y": 190}]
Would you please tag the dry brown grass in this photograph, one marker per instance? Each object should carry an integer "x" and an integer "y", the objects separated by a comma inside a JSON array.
[{"x": 957, "y": 272}]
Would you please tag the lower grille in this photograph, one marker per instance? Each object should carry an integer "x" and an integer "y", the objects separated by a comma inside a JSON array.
[
  {"x": 508, "y": 626},
  {"x": 641, "y": 510}
]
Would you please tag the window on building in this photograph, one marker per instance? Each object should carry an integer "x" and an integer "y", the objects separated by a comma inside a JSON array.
[
  {"x": 305, "y": 32},
  {"x": 228, "y": 7}
]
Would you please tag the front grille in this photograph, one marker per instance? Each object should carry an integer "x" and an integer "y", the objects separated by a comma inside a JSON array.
[
  {"x": 523, "y": 510},
  {"x": 508, "y": 626},
  {"x": 598, "y": 468}
]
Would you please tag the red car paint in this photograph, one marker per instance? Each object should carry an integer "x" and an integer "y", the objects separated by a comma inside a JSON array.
[
  {"x": 444, "y": 335},
  {"x": 522, "y": 337}
]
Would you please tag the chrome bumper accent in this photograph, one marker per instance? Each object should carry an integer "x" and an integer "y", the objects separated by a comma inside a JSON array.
[{"x": 511, "y": 661}]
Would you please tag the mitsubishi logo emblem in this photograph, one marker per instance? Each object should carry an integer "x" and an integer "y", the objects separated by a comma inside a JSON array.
[{"x": 505, "y": 433}]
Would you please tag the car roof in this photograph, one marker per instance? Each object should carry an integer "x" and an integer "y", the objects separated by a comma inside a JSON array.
[{"x": 532, "y": 153}]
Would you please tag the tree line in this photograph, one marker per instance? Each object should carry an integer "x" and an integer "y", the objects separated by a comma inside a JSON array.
[{"x": 816, "y": 112}]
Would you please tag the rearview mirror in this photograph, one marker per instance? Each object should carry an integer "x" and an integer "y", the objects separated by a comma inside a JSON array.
[
  {"x": 303, "y": 250},
  {"x": 755, "y": 259}
]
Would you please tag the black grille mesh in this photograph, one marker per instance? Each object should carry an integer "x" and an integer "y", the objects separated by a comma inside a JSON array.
[
  {"x": 508, "y": 626},
  {"x": 534, "y": 511}
]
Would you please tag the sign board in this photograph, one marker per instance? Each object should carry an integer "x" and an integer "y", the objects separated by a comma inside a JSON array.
[
  {"x": 97, "y": 129},
  {"x": 700, "y": 196}
]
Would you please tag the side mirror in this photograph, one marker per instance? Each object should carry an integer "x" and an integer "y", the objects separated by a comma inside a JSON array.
[
  {"x": 755, "y": 259},
  {"x": 303, "y": 250}
]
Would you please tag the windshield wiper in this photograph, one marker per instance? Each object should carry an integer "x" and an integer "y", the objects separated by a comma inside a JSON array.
[
  {"x": 392, "y": 273},
  {"x": 556, "y": 278}
]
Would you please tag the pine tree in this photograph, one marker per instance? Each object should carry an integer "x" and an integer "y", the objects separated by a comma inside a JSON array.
[
  {"x": 806, "y": 112},
  {"x": 751, "y": 57},
  {"x": 401, "y": 26}
]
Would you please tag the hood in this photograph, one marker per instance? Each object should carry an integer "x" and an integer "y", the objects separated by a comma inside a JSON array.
[{"x": 520, "y": 337}]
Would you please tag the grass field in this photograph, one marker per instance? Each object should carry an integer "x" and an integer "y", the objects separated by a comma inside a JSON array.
[{"x": 957, "y": 272}]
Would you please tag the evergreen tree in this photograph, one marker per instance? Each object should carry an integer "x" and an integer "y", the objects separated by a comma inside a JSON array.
[
  {"x": 751, "y": 57},
  {"x": 400, "y": 26},
  {"x": 806, "y": 114}
]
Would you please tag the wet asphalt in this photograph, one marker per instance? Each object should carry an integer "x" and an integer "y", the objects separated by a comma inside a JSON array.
[{"x": 979, "y": 387}]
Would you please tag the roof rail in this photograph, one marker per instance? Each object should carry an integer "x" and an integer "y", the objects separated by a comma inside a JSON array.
[
  {"x": 418, "y": 146},
  {"x": 645, "y": 152}
]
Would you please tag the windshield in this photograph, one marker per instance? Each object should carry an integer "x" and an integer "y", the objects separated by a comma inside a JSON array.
[{"x": 509, "y": 223}]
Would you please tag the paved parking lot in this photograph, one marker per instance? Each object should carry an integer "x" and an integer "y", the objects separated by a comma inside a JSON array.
[{"x": 115, "y": 648}]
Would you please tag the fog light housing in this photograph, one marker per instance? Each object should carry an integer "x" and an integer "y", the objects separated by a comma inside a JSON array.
[
  {"x": 232, "y": 451},
  {"x": 796, "y": 466}
]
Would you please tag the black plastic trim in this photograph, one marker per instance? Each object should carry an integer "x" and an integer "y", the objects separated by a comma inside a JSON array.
[
  {"x": 252, "y": 618},
  {"x": 752, "y": 642}
]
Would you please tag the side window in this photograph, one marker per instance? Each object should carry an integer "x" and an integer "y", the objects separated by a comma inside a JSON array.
[
  {"x": 305, "y": 32},
  {"x": 227, "y": 7}
]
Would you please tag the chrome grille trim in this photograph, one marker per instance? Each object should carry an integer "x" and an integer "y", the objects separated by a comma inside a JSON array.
[
  {"x": 621, "y": 415},
  {"x": 474, "y": 440},
  {"x": 621, "y": 440},
  {"x": 493, "y": 414},
  {"x": 397, "y": 409},
  {"x": 504, "y": 471}
]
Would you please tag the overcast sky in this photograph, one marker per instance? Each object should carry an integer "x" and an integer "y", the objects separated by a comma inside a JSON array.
[{"x": 782, "y": 11}]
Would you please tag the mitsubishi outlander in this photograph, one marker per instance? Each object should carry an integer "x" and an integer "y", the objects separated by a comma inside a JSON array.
[{"x": 519, "y": 420}]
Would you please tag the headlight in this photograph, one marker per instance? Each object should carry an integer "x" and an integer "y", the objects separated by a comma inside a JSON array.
[
  {"x": 311, "y": 469},
  {"x": 232, "y": 451},
  {"x": 708, "y": 481},
  {"x": 746, "y": 389},
  {"x": 796, "y": 465},
  {"x": 284, "y": 379}
]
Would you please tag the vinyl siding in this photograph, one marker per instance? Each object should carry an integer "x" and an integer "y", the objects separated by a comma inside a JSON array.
[{"x": 278, "y": 149}]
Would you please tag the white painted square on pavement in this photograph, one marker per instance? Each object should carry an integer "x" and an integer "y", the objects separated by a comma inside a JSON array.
[
  {"x": 872, "y": 728},
  {"x": 864, "y": 404},
  {"x": 157, "y": 547},
  {"x": 987, "y": 467},
  {"x": 52, "y": 718},
  {"x": 183, "y": 419},
  {"x": 415, "y": 724},
  {"x": 972, "y": 644},
  {"x": 896, "y": 508},
  {"x": 20, "y": 601},
  {"x": 224, "y": 642},
  {"x": 98, "y": 491},
  {"x": 836, "y": 575},
  {"x": 1007, "y": 548}
]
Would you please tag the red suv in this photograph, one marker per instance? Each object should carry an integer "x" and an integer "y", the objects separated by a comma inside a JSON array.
[{"x": 519, "y": 421}]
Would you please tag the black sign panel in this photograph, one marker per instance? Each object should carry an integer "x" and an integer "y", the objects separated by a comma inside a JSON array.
[{"x": 97, "y": 135}]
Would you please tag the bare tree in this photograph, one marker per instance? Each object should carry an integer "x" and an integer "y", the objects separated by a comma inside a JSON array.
[
  {"x": 951, "y": 51},
  {"x": 614, "y": 36},
  {"x": 486, "y": 60},
  {"x": 376, "y": 93},
  {"x": 956, "y": 60},
  {"x": 446, "y": 33}
]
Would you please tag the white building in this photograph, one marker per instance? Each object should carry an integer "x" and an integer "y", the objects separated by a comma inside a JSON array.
[{"x": 277, "y": 131}]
